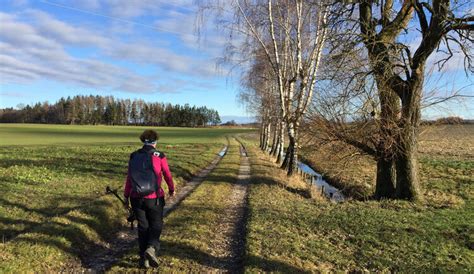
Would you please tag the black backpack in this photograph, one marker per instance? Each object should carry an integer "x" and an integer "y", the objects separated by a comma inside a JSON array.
[{"x": 142, "y": 175}]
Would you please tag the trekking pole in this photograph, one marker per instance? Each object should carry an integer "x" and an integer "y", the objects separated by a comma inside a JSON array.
[
  {"x": 109, "y": 190},
  {"x": 131, "y": 215}
]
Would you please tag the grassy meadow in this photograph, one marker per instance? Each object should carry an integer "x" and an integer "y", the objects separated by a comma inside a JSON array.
[
  {"x": 54, "y": 209},
  {"x": 311, "y": 235},
  {"x": 40, "y": 134},
  {"x": 53, "y": 177}
]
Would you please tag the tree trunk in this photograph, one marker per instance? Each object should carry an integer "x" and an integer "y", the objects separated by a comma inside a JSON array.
[
  {"x": 281, "y": 143},
  {"x": 275, "y": 140},
  {"x": 291, "y": 157},
  {"x": 407, "y": 173},
  {"x": 408, "y": 186},
  {"x": 265, "y": 137},
  {"x": 268, "y": 135},
  {"x": 387, "y": 124},
  {"x": 275, "y": 145},
  {"x": 385, "y": 182}
]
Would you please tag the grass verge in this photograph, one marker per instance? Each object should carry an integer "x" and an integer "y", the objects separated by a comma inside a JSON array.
[
  {"x": 191, "y": 235},
  {"x": 291, "y": 233}
]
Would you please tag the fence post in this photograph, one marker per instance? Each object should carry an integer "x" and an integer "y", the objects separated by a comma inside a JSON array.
[{"x": 322, "y": 190}]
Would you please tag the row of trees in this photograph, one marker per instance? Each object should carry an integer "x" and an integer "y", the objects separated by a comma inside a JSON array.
[
  {"x": 108, "y": 110},
  {"x": 350, "y": 71}
]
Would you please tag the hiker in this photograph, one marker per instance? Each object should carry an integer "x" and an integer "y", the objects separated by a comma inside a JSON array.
[{"x": 143, "y": 188}]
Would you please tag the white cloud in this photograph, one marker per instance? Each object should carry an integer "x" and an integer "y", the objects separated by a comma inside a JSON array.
[
  {"x": 89, "y": 4},
  {"x": 184, "y": 25},
  {"x": 131, "y": 8},
  {"x": 45, "y": 48},
  {"x": 19, "y": 3},
  {"x": 64, "y": 33},
  {"x": 32, "y": 56}
]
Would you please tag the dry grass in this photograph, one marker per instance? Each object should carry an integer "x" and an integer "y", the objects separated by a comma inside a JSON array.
[
  {"x": 447, "y": 141},
  {"x": 445, "y": 152},
  {"x": 288, "y": 232},
  {"x": 294, "y": 182}
]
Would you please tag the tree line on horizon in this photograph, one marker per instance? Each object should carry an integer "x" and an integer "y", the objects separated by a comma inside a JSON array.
[{"x": 107, "y": 110}]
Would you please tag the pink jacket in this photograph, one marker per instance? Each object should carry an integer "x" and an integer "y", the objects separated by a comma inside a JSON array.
[{"x": 160, "y": 165}]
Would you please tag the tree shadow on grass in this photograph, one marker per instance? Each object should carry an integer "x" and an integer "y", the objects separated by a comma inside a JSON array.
[
  {"x": 44, "y": 213},
  {"x": 90, "y": 214},
  {"x": 108, "y": 169},
  {"x": 69, "y": 231},
  {"x": 186, "y": 252},
  {"x": 265, "y": 180}
]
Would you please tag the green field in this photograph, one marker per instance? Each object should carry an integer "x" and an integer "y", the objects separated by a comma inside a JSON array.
[
  {"x": 36, "y": 134},
  {"x": 53, "y": 209}
]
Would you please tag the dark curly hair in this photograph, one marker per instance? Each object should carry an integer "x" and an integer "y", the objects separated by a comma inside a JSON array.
[{"x": 149, "y": 135}]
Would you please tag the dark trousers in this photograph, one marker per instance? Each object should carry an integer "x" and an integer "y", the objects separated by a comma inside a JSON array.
[{"x": 149, "y": 213}]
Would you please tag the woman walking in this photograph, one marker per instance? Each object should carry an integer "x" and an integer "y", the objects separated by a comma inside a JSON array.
[{"x": 143, "y": 190}]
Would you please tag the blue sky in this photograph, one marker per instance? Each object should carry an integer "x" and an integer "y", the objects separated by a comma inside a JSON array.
[
  {"x": 129, "y": 49},
  {"x": 144, "y": 49}
]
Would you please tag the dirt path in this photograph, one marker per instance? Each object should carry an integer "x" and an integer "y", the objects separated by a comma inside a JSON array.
[
  {"x": 230, "y": 247},
  {"x": 102, "y": 259}
]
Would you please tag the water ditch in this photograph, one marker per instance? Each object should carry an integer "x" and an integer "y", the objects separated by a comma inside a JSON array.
[
  {"x": 222, "y": 152},
  {"x": 315, "y": 178}
]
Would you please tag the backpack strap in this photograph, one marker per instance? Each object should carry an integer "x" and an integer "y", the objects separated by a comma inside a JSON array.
[{"x": 159, "y": 154}]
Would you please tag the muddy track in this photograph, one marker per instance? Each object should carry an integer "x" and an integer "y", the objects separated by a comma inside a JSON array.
[
  {"x": 234, "y": 221},
  {"x": 104, "y": 258}
]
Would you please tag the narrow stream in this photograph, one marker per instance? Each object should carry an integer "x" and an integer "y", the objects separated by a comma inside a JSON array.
[
  {"x": 330, "y": 191},
  {"x": 223, "y": 152}
]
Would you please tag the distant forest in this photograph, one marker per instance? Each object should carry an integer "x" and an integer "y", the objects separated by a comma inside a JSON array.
[{"x": 95, "y": 110}]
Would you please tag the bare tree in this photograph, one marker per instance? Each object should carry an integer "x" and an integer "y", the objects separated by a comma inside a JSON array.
[
  {"x": 291, "y": 35},
  {"x": 399, "y": 75},
  {"x": 260, "y": 97},
  {"x": 398, "y": 72},
  {"x": 372, "y": 99}
]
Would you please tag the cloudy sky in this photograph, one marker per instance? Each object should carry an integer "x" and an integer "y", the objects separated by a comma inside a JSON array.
[
  {"x": 129, "y": 49},
  {"x": 144, "y": 49}
]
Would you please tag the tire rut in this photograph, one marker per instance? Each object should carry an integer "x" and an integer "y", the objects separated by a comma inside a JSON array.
[
  {"x": 233, "y": 223},
  {"x": 104, "y": 258}
]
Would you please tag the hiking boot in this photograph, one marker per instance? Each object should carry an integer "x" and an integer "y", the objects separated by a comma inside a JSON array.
[
  {"x": 144, "y": 263},
  {"x": 151, "y": 256}
]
